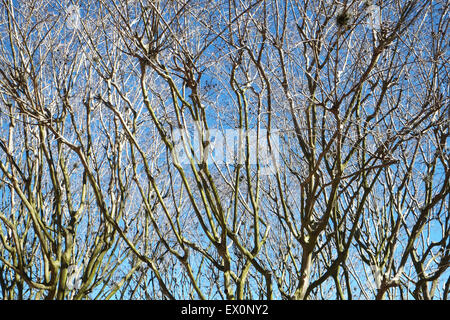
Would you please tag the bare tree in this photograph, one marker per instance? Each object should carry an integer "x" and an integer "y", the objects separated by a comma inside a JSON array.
[{"x": 114, "y": 178}]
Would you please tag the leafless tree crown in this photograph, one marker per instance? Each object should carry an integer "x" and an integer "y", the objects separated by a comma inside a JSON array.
[{"x": 349, "y": 98}]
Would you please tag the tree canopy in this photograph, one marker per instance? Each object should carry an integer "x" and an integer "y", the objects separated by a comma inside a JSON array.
[{"x": 335, "y": 179}]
